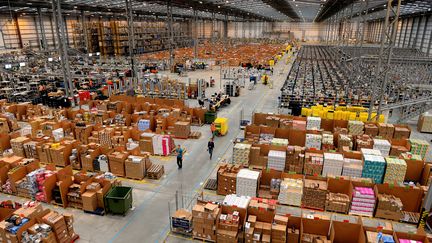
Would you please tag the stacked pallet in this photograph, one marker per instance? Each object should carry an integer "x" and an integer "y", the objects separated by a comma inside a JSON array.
[
  {"x": 313, "y": 123},
  {"x": 295, "y": 159},
  {"x": 247, "y": 182},
  {"x": 419, "y": 147},
  {"x": 352, "y": 168},
  {"x": 313, "y": 141},
  {"x": 155, "y": 171},
  {"x": 276, "y": 160},
  {"x": 337, "y": 202},
  {"x": 383, "y": 146},
  {"x": 17, "y": 145},
  {"x": 396, "y": 169},
  {"x": 333, "y": 164},
  {"x": 363, "y": 201},
  {"x": 374, "y": 167},
  {"x": 182, "y": 129},
  {"x": 386, "y": 130},
  {"x": 279, "y": 142},
  {"x": 327, "y": 141},
  {"x": 364, "y": 141},
  {"x": 314, "y": 194},
  {"x": 345, "y": 140},
  {"x": 389, "y": 207},
  {"x": 226, "y": 179},
  {"x": 313, "y": 164},
  {"x": 291, "y": 192},
  {"x": 241, "y": 154},
  {"x": 105, "y": 137},
  {"x": 355, "y": 127},
  {"x": 371, "y": 129}
]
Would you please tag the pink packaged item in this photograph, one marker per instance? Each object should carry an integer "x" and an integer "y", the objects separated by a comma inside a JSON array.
[{"x": 408, "y": 241}]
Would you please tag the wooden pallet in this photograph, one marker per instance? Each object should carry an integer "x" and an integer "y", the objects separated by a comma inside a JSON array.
[
  {"x": 202, "y": 239},
  {"x": 413, "y": 218},
  {"x": 134, "y": 178},
  {"x": 211, "y": 185},
  {"x": 155, "y": 172},
  {"x": 195, "y": 135}
]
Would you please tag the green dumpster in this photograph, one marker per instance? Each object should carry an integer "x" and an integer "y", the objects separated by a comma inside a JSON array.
[
  {"x": 118, "y": 200},
  {"x": 210, "y": 117}
]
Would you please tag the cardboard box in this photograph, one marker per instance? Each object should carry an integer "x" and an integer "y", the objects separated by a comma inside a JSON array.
[{"x": 89, "y": 200}]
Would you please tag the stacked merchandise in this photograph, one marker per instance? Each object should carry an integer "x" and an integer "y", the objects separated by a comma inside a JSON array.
[
  {"x": 279, "y": 229},
  {"x": 228, "y": 227},
  {"x": 162, "y": 145},
  {"x": 58, "y": 134},
  {"x": 419, "y": 147},
  {"x": 389, "y": 207},
  {"x": 396, "y": 169},
  {"x": 117, "y": 163},
  {"x": 29, "y": 186},
  {"x": 371, "y": 151},
  {"x": 291, "y": 192},
  {"x": 355, "y": 127},
  {"x": 101, "y": 163},
  {"x": 237, "y": 201},
  {"x": 241, "y": 153},
  {"x": 24, "y": 188},
  {"x": 276, "y": 160},
  {"x": 364, "y": 141},
  {"x": 17, "y": 145},
  {"x": 401, "y": 132},
  {"x": 272, "y": 121},
  {"x": 313, "y": 123},
  {"x": 424, "y": 123},
  {"x": 256, "y": 231},
  {"x": 279, "y": 142},
  {"x": 295, "y": 159},
  {"x": 266, "y": 138},
  {"x": 363, "y": 201},
  {"x": 155, "y": 171},
  {"x": 327, "y": 141},
  {"x": 311, "y": 238},
  {"x": 299, "y": 125},
  {"x": 386, "y": 130},
  {"x": 41, "y": 176},
  {"x": 105, "y": 137},
  {"x": 374, "y": 167},
  {"x": 59, "y": 226},
  {"x": 146, "y": 142},
  {"x": 333, "y": 164},
  {"x": 60, "y": 154},
  {"x": 337, "y": 202},
  {"x": 313, "y": 163},
  {"x": 226, "y": 179},
  {"x": 313, "y": 141},
  {"x": 411, "y": 156},
  {"x": 204, "y": 219},
  {"x": 135, "y": 166},
  {"x": 181, "y": 222},
  {"x": 371, "y": 129},
  {"x": 30, "y": 150},
  {"x": 143, "y": 125},
  {"x": 74, "y": 196},
  {"x": 314, "y": 194},
  {"x": 182, "y": 129},
  {"x": 345, "y": 140},
  {"x": 382, "y": 145},
  {"x": 247, "y": 182},
  {"x": 352, "y": 168},
  {"x": 275, "y": 185}
]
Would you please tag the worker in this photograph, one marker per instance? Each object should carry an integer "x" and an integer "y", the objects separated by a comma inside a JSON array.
[
  {"x": 179, "y": 152},
  {"x": 213, "y": 129},
  {"x": 210, "y": 147}
]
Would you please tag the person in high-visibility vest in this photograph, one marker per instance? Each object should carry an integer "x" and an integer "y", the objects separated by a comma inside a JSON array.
[{"x": 213, "y": 129}]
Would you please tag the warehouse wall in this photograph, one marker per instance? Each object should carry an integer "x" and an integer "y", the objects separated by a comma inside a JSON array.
[{"x": 413, "y": 32}]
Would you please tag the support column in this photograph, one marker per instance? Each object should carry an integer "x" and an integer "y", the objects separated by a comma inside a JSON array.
[
  {"x": 424, "y": 32},
  {"x": 400, "y": 33},
  {"x": 84, "y": 27},
  {"x": 170, "y": 34},
  {"x": 244, "y": 29},
  {"x": 212, "y": 35},
  {"x": 43, "y": 41},
  {"x": 37, "y": 32},
  {"x": 411, "y": 32},
  {"x": 417, "y": 32},
  {"x": 405, "y": 33},
  {"x": 66, "y": 30},
  {"x": 388, "y": 39},
  {"x": 62, "y": 48},
  {"x": 195, "y": 33},
  {"x": 131, "y": 38}
]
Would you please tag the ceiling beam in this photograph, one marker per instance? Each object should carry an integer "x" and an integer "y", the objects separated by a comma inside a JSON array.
[{"x": 283, "y": 7}]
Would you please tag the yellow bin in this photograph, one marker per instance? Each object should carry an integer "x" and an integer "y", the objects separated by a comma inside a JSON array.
[{"x": 221, "y": 125}]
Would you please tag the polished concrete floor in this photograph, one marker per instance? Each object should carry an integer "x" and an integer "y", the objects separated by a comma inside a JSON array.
[{"x": 148, "y": 221}]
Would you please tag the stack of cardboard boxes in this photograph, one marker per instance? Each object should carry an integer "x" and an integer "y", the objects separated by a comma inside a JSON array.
[
  {"x": 226, "y": 179},
  {"x": 295, "y": 159},
  {"x": 146, "y": 142},
  {"x": 60, "y": 153},
  {"x": 17, "y": 145},
  {"x": 135, "y": 166},
  {"x": 395, "y": 171},
  {"x": 337, "y": 202},
  {"x": 327, "y": 141},
  {"x": 59, "y": 226},
  {"x": 313, "y": 163},
  {"x": 82, "y": 133},
  {"x": 314, "y": 194},
  {"x": 105, "y": 136},
  {"x": 256, "y": 231},
  {"x": 371, "y": 129},
  {"x": 364, "y": 141},
  {"x": 117, "y": 162},
  {"x": 205, "y": 219},
  {"x": 228, "y": 227},
  {"x": 88, "y": 153},
  {"x": 424, "y": 123},
  {"x": 355, "y": 127},
  {"x": 386, "y": 130},
  {"x": 279, "y": 229},
  {"x": 291, "y": 192},
  {"x": 241, "y": 154},
  {"x": 389, "y": 207},
  {"x": 401, "y": 132},
  {"x": 182, "y": 129}
]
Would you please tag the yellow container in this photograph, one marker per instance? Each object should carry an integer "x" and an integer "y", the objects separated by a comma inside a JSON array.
[
  {"x": 55, "y": 145},
  {"x": 221, "y": 125},
  {"x": 271, "y": 63},
  {"x": 330, "y": 115},
  {"x": 381, "y": 118},
  {"x": 304, "y": 111}
]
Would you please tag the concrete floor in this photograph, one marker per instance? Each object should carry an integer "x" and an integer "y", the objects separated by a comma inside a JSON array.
[{"x": 148, "y": 221}]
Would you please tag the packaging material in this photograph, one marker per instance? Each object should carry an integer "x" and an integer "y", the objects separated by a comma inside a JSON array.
[
  {"x": 327, "y": 141},
  {"x": 291, "y": 192},
  {"x": 345, "y": 140},
  {"x": 295, "y": 159},
  {"x": 227, "y": 179},
  {"x": 386, "y": 130},
  {"x": 314, "y": 194},
  {"x": 364, "y": 141},
  {"x": 276, "y": 160},
  {"x": 313, "y": 163},
  {"x": 371, "y": 129},
  {"x": 266, "y": 138},
  {"x": 363, "y": 201},
  {"x": 373, "y": 237},
  {"x": 374, "y": 167},
  {"x": 89, "y": 200},
  {"x": 247, "y": 182},
  {"x": 135, "y": 167},
  {"x": 299, "y": 125},
  {"x": 352, "y": 167},
  {"x": 395, "y": 171},
  {"x": 419, "y": 147},
  {"x": 371, "y": 151},
  {"x": 313, "y": 123},
  {"x": 383, "y": 146},
  {"x": 205, "y": 217},
  {"x": 182, "y": 129},
  {"x": 389, "y": 207},
  {"x": 333, "y": 164},
  {"x": 355, "y": 127},
  {"x": 401, "y": 132},
  {"x": 279, "y": 142},
  {"x": 313, "y": 141},
  {"x": 425, "y": 122},
  {"x": 241, "y": 153},
  {"x": 237, "y": 201}
]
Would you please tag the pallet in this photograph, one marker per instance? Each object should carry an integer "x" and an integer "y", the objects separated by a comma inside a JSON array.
[
  {"x": 361, "y": 215},
  {"x": 155, "y": 172},
  {"x": 312, "y": 208},
  {"x": 202, "y": 239},
  {"x": 195, "y": 135},
  {"x": 134, "y": 178},
  {"x": 98, "y": 211},
  {"x": 75, "y": 238},
  {"x": 413, "y": 218},
  {"x": 211, "y": 185}
]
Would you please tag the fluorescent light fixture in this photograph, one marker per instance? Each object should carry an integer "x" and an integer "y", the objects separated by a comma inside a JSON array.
[
  {"x": 90, "y": 54},
  {"x": 97, "y": 53},
  {"x": 22, "y": 64},
  {"x": 50, "y": 59},
  {"x": 8, "y": 66}
]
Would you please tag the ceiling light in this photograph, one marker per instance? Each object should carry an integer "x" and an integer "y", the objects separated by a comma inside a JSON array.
[{"x": 75, "y": 7}]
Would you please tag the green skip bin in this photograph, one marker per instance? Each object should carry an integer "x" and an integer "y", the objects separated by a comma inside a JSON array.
[{"x": 119, "y": 200}]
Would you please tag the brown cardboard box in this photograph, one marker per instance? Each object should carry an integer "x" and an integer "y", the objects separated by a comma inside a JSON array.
[
  {"x": 282, "y": 220},
  {"x": 89, "y": 201}
]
